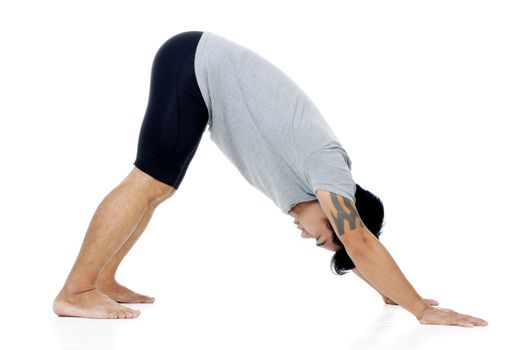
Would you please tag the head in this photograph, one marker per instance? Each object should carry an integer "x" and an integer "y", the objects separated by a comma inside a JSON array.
[
  {"x": 312, "y": 221},
  {"x": 371, "y": 212}
]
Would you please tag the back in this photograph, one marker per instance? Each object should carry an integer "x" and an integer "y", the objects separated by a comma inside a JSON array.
[{"x": 267, "y": 126}]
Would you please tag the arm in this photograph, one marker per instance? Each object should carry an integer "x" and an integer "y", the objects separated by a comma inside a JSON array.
[
  {"x": 387, "y": 300},
  {"x": 356, "y": 271},
  {"x": 369, "y": 255}
]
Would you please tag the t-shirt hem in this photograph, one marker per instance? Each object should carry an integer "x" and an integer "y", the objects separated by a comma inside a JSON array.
[
  {"x": 298, "y": 201},
  {"x": 332, "y": 188}
]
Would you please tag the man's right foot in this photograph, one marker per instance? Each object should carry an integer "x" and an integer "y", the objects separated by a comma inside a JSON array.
[{"x": 90, "y": 304}]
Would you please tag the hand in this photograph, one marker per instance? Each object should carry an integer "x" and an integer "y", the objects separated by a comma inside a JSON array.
[
  {"x": 430, "y": 302},
  {"x": 442, "y": 316}
]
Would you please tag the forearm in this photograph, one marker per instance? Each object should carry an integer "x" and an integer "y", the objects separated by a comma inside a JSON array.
[
  {"x": 374, "y": 261},
  {"x": 368, "y": 253},
  {"x": 357, "y": 272}
]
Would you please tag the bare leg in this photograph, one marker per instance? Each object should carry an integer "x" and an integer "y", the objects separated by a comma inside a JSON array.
[
  {"x": 106, "y": 282},
  {"x": 115, "y": 219}
]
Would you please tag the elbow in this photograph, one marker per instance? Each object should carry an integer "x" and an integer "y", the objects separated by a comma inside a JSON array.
[
  {"x": 359, "y": 245},
  {"x": 358, "y": 253}
]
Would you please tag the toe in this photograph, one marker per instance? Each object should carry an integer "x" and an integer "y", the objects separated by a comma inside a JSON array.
[
  {"x": 123, "y": 312},
  {"x": 133, "y": 313},
  {"x": 147, "y": 299},
  {"x": 120, "y": 312}
]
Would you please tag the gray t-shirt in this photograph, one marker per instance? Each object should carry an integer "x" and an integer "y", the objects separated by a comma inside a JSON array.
[{"x": 267, "y": 126}]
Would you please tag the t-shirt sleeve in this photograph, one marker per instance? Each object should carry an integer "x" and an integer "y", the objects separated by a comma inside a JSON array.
[{"x": 330, "y": 169}]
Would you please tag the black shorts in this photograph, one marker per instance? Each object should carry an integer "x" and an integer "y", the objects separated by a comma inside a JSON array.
[{"x": 176, "y": 114}]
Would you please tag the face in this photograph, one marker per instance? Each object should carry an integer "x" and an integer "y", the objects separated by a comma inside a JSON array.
[{"x": 313, "y": 224}]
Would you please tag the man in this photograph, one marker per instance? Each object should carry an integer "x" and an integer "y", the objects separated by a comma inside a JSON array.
[{"x": 280, "y": 143}]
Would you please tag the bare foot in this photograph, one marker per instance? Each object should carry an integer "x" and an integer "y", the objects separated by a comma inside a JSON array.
[
  {"x": 90, "y": 304},
  {"x": 121, "y": 294}
]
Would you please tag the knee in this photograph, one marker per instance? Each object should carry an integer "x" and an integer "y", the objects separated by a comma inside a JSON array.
[
  {"x": 158, "y": 191},
  {"x": 162, "y": 194},
  {"x": 154, "y": 191}
]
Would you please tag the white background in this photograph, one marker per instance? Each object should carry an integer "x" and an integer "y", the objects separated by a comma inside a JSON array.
[{"x": 428, "y": 98}]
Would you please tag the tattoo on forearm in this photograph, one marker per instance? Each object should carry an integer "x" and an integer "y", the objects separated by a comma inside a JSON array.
[{"x": 344, "y": 212}]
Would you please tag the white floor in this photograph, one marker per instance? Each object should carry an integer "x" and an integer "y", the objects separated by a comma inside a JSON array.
[
  {"x": 262, "y": 320},
  {"x": 281, "y": 305}
]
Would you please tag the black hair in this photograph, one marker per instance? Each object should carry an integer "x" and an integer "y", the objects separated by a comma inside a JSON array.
[{"x": 371, "y": 212}]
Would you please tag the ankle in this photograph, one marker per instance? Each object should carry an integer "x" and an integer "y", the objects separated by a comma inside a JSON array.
[{"x": 77, "y": 288}]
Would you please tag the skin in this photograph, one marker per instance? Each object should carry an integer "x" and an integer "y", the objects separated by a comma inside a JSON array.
[
  {"x": 91, "y": 290},
  {"x": 313, "y": 223},
  {"x": 320, "y": 224},
  {"x": 374, "y": 264}
]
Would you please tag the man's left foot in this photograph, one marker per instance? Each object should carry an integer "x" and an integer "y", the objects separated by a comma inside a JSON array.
[{"x": 121, "y": 294}]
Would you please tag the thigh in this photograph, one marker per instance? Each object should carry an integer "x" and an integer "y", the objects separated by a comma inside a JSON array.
[{"x": 176, "y": 114}]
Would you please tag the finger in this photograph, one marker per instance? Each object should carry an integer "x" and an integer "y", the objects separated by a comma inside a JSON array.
[
  {"x": 473, "y": 318},
  {"x": 478, "y": 321},
  {"x": 462, "y": 321},
  {"x": 481, "y": 323},
  {"x": 475, "y": 321}
]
